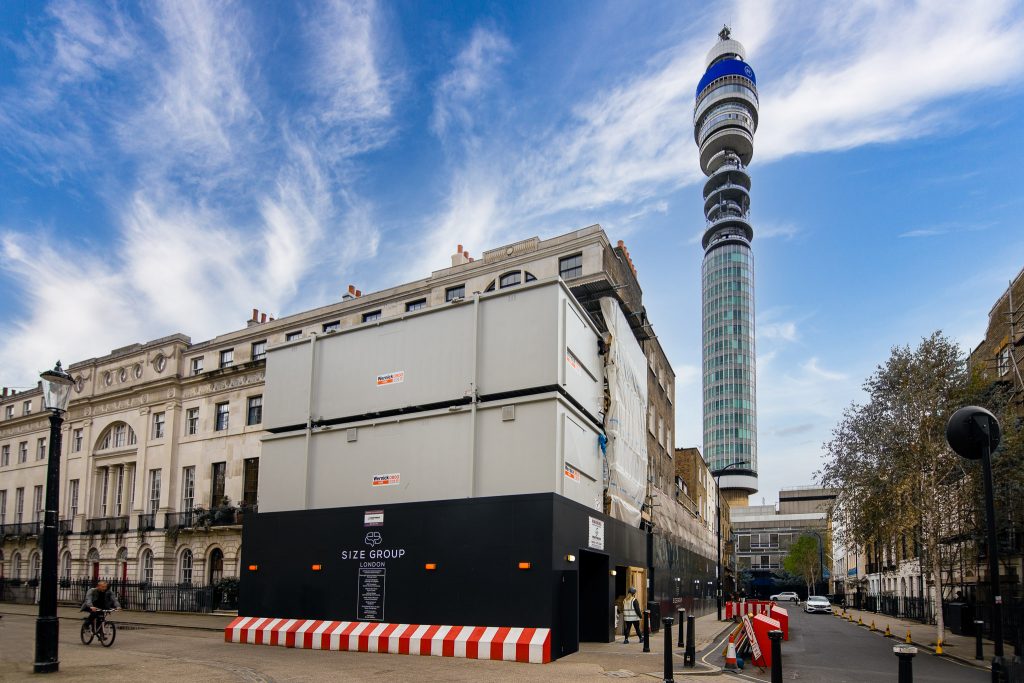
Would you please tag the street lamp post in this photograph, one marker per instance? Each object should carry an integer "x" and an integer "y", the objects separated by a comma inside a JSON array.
[
  {"x": 821, "y": 559},
  {"x": 973, "y": 433},
  {"x": 56, "y": 392},
  {"x": 718, "y": 517}
]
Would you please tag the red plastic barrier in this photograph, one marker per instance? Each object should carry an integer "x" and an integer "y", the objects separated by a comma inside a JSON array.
[
  {"x": 780, "y": 615},
  {"x": 762, "y": 625}
]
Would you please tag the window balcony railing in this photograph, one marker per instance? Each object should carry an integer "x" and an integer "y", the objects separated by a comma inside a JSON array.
[
  {"x": 106, "y": 525},
  {"x": 203, "y": 518},
  {"x": 22, "y": 529},
  {"x": 65, "y": 526},
  {"x": 147, "y": 522}
]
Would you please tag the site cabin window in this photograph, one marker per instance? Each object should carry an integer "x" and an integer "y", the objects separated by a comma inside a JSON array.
[
  {"x": 227, "y": 358},
  {"x": 570, "y": 266},
  {"x": 332, "y": 326},
  {"x": 250, "y": 481},
  {"x": 456, "y": 292},
  {"x": 217, "y": 472},
  {"x": 197, "y": 365},
  {"x": 188, "y": 488},
  {"x": 259, "y": 350},
  {"x": 158, "y": 425},
  {"x": 371, "y": 316},
  {"x": 192, "y": 421},
  {"x": 76, "y": 440},
  {"x": 417, "y": 305},
  {"x": 222, "y": 415},
  {"x": 292, "y": 336},
  {"x": 254, "y": 410}
]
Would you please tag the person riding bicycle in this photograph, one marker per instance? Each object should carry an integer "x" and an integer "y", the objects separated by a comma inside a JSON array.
[{"x": 98, "y": 599}]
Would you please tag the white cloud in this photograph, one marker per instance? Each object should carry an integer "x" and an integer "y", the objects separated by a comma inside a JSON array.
[
  {"x": 786, "y": 331},
  {"x": 474, "y": 72}
]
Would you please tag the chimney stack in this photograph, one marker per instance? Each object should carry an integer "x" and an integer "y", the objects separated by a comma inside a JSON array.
[
  {"x": 460, "y": 256},
  {"x": 263, "y": 317},
  {"x": 359, "y": 293},
  {"x": 5, "y": 391}
]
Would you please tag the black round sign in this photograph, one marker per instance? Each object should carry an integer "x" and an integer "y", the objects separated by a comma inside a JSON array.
[{"x": 970, "y": 430}]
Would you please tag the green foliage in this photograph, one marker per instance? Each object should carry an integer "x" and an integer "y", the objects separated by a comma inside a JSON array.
[{"x": 803, "y": 560}]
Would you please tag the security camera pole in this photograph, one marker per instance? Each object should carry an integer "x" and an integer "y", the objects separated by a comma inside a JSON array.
[{"x": 973, "y": 433}]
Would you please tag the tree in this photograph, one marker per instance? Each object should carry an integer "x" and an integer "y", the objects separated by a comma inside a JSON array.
[
  {"x": 803, "y": 560},
  {"x": 888, "y": 461}
]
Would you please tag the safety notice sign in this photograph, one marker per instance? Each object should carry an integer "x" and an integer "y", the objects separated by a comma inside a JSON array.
[{"x": 596, "y": 538}]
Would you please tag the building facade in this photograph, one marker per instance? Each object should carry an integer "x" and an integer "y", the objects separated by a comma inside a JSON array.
[
  {"x": 724, "y": 123},
  {"x": 162, "y": 440}
]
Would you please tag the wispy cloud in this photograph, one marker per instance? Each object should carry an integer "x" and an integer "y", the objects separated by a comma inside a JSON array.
[
  {"x": 786, "y": 331},
  {"x": 475, "y": 71}
]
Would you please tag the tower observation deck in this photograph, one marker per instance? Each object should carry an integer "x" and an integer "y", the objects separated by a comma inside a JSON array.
[{"x": 724, "y": 122}]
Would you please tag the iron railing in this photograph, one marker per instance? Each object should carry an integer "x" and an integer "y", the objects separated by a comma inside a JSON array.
[
  {"x": 134, "y": 595},
  {"x": 106, "y": 525},
  {"x": 22, "y": 529},
  {"x": 203, "y": 518},
  {"x": 147, "y": 522}
]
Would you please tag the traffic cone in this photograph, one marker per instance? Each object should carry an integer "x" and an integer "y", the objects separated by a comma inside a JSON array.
[
  {"x": 938, "y": 648},
  {"x": 908, "y": 636},
  {"x": 730, "y": 656},
  {"x": 860, "y": 622},
  {"x": 873, "y": 625},
  {"x": 888, "y": 633}
]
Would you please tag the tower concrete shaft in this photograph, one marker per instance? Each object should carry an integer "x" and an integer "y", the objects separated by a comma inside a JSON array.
[{"x": 724, "y": 122}]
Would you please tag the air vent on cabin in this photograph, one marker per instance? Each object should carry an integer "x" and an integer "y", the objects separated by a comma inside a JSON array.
[
  {"x": 508, "y": 413},
  {"x": 352, "y": 434}
]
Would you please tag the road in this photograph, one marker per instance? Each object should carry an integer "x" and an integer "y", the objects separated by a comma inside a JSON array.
[{"x": 830, "y": 650}]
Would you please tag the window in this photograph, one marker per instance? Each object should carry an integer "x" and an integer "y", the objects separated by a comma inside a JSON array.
[
  {"x": 103, "y": 491},
  {"x": 529, "y": 276},
  {"x": 16, "y": 565},
  {"x": 192, "y": 421},
  {"x": 19, "y": 504},
  {"x": 26, "y": 408},
  {"x": 292, "y": 336},
  {"x": 197, "y": 365},
  {"x": 119, "y": 491},
  {"x": 5, "y": 456},
  {"x": 217, "y": 479},
  {"x": 3, "y": 507},
  {"x": 23, "y": 452},
  {"x": 1003, "y": 360},
  {"x": 254, "y": 411},
  {"x": 154, "y": 491},
  {"x": 72, "y": 498},
  {"x": 570, "y": 266},
  {"x": 158, "y": 425},
  {"x": 510, "y": 279},
  {"x": 76, "y": 440},
  {"x": 186, "y": 567},
  {"x": 227, "y": 358},
  {"x": 65, "y": 566},
  {"x": 147, "y": 566},
  {"x": 221, "y": 421},
  {"x": 37, "y": 504},
  {"x": 250, "y": 481},
  {"x": 188, "y": 488},
  {"x": 332, "y": 326},
  {"x": 259, "y": 350},
  {"x": 120, "y": 435},
  {"x": 9, "y": 412},
  {"x": 33, "y": 566},
  {"x": 415, "y": 305},
  {"x": 456, "y": 292},
  {"x": 371, "y": 316}
]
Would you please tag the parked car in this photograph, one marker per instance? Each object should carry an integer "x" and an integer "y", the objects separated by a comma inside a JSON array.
[
  {"x": 788, "y": 596},
  {"x": 818, "y": 603}
]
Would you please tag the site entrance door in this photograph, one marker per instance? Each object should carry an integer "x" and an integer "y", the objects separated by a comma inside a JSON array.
[{"x": 596, "y": 598}]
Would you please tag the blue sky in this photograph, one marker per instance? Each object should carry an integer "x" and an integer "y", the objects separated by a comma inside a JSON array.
[{"x": 168, "y": 167}]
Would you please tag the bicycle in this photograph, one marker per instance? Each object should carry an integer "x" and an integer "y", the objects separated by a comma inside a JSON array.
[{"x": 102, "y": 628}]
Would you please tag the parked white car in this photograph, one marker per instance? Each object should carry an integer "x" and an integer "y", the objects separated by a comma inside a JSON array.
[
  {"x": 818, "y": 603},
  {"x": 788, "y": 596}
]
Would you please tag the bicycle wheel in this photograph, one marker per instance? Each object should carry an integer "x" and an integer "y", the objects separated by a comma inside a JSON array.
[
  {"x": 87, "y": 634},
  {"x": 109, "y": 632}
]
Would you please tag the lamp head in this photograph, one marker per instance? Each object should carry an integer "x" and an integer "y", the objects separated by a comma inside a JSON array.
[
  {"x": 970, "y": 430},
  {"x": 56, "y": 388}
]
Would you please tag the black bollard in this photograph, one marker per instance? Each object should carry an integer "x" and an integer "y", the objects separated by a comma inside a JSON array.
[
  {"x": 906, "y": 656},
  {"x": 776, "y": 638},
  {"x": 978, "y": 624},
  {"x": 682, "y": 621},
  {"x": 668, "y": 650},
  {"x": 690, "y": 654},
  {"x": 647, "y": 630}
]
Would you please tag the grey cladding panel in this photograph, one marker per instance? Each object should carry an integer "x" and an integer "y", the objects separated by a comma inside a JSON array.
[{"x": 287, "y": 386}]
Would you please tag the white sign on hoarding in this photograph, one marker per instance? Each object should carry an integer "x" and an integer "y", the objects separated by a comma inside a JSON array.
[
  {"x": 396, "y": 377},
  {"x": 596, "y": 540},
  {"x": 373, "y": 518},
  {"x": 387, "y": 479}
]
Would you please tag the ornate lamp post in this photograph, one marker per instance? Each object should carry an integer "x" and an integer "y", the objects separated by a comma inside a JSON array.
[
  {"x": 56, "y": 392},
  {"x": 973, "y": 433},
  {"x": 718, "y": 517}
]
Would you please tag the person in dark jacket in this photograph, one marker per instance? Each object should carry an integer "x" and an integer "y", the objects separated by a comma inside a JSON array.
[{"x": 97, "y": 599}]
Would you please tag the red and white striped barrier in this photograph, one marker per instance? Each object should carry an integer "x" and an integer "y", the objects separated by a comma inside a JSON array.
[{"x": 531, "y": 645}]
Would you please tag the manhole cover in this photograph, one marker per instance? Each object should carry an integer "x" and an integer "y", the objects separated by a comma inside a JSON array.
[{"x": 621, "y": 673}]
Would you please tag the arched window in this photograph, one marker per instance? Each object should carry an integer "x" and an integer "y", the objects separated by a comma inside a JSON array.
[
  {"x": 216, "y": 565},
  {"x": 528, "y": 276},
  {"x": 92, "y": 561},
  {"x": 490, "y": 287},
  {"x": 121, "y": 565},
  {"x": 185, "y": 575},
  {"x": 16, "y": 566},
  {"x": 146, "y": 571},
  {"x": 65, "y": 566},
  {"x": 510, "y": 279},
  {"x": 117, "y": 435},
  {"x": 33, "y": 566}
]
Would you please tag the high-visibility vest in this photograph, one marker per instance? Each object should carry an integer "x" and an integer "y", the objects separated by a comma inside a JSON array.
[{"x": 628, "y": 613}]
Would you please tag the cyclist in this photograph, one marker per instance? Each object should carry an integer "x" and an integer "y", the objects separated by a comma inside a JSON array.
[{"x": 98, "y": 599}]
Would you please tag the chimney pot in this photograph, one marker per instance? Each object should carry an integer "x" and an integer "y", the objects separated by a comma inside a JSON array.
[
  {"x": 459, "y": 250},
  {"x": 255, "y": 314},
  {"x": 352, "y": 289},
  {"x": 359, "y": 292},
  {"x": 263, "y": 318}
]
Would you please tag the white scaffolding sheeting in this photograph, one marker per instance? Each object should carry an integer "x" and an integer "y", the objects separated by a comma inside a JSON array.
[{"x": 626, "y": 419}]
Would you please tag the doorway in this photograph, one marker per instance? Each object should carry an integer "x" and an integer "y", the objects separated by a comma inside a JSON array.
[
  {"x": 595, "y": 599},
  {"x": 566, "y": 636}
]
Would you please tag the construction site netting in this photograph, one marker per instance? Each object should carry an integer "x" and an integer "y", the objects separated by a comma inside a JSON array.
[{"x": 626, "y": 418}]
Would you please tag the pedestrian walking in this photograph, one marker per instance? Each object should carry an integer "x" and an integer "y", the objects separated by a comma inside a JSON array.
[{"x": 632, "y": 614}]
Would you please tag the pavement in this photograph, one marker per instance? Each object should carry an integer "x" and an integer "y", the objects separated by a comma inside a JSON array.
[{"x": 174, "y": 647}]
